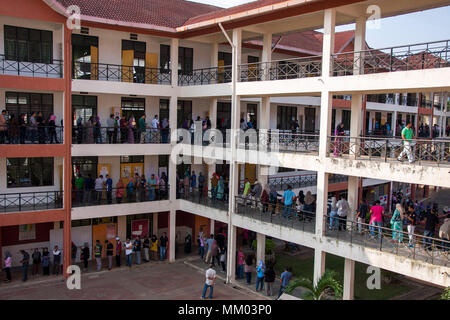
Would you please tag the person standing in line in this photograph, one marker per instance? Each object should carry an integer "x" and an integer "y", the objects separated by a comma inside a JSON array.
[
  {"x": 397, "y": 224},
  {"x": 342, "y": 212},
  {"x": 431, "y": 220},
  {"x": 163, "y": 240},
  {"x": 411, "y": 221},
  {"x": 154, "y": 247},
  {"x": 240, "y": 264},
  {"x": 285, "y": 278},
  {"x": 201, "y": 183},
  {"x": 25, "y": 261},
  {"x": 407, "y": 136},
  {"x": 109, "y": 253},
  {"x": 269, "y": 278},
  {"x": 109, "y": 184},
  {"x": 338, "y": 140},
  {"x": 110, "y": 123},
  {"x": 187, "y": 243},
  {"x": 260, "y": 269},
  {"x": 56, "y": 260},
  {"x": 155, "y": 128},
  {"x": 85, "y": 254},
  {"x": 98, "y": 254},
  {"x": 146, "y": 249},
  {"x": 223, "y": 257},
  {"x": 129, "y": 252},
  {"x": 8, "y": 263},
  {"x": 201, "y": 243},
  {"x": 99, "y": 188},
  {"x": 209, "y": 283},
  {"x": 137, "y": 249},
  {"x": 248, "y": 268},
  {"x": 118, "y": 251},
  {"x": 209, "y": 253},
  {"x": 119, "y": 190},
  {"x": 288, "y": 200},
  {"x": 361, "y": 215},
  {"x": 376, "y": 218},
  {"x": 333, "y": 214},
  {"x": 45, "y": 262},
  {"x": 36, "y": 257}
]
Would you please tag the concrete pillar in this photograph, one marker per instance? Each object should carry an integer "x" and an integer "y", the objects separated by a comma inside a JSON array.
[
  {"x": 353, "y": 188},
  {"x": 260, "y": 247},
  {"x": 155, "y": 224},
  {"x": 173, "y": 104},
  {"x": 263, "y": 176},
  {"x": 319, "y": 264},
  {"x": 213, "y": 113},
  {"x": 328, "y": 41},
  {"x": 214, "y": 55},
  {"x": 264, "y": 113},
  {"x": 355, "y": 123},
  {"x": 360, "y": 43},
  {"x": 174, "y": 60},
  {"x": 172, "y": 235},
  {"x": 322, "y": 201},
  {"x": 122, "y": 227},
  {"x": 211, "y": 170},
  {"x": 266, "y": 55},
  {"x": 172, "y": 180},
  {"x": 231, "y": 254},
  {"x": 394, "y": 124},
  {"x": 326, "y": 105},
  {"x": 349, "y": 279},
  {"x": 212, "y": 226}
]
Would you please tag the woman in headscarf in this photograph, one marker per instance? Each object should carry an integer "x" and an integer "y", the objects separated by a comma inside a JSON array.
[
  {"x": 397, "y": 223},
  {"x": 8, "y": 262},
  {"x": 333, "y": 214},
  {"x": 220, "y": 188},
  {"x": 131, "y": 128},
  {"x": 260, "y": 269},
  {"x": 338, "y": 133},
  {"x": 309, "y": 200}
]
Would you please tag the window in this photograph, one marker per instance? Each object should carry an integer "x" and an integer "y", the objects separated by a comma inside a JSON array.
[
  {"x": 83, "y": 55},
  {"x": 139, "y": 50},
  {"x": 163, "y": 109},
  {"x": 28, "y": 45},
  {"x": 133, "y": 107},
  {"x": 132, "y": 159},
  {"x": 80, "y": 223},
  {"x": 184, "y": 112},
  {"x": 85, "y": 166},
  {"x": 164, "y": 58},
  {"x": 29, "y": 172},
  {"x": 19, "y": 102},
  {"x": 346, "y": 115},
  {"x": 226, "y": 57},
  {"x": 185, "y": 60},
  {"x": 285, "y": 116},
  {"x": 83, "y": 106}
]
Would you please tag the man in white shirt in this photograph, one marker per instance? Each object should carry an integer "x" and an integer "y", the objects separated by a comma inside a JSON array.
[
  {"x": 155, "y": 127},
  {"x": 128, "y": 252},
  {"x": 209, "y": 282},
  {"x": 99, "y": 182},
  {"x": 343, "y": 210}
]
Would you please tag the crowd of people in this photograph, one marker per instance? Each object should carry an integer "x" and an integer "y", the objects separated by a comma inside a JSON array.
[
  {"x": 86, "y": 190},
  {"x": 29, "y": 129}
]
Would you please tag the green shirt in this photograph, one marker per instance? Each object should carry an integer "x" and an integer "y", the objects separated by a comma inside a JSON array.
[
  {"x": 142, "y": 124},
  {"x": 246, "y": 188},
  {"x": 408, "y": 133},
  {"x": 79, "y": 183}
]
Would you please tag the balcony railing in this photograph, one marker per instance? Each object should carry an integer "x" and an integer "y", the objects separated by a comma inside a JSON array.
[
  {"x": 87, "y": 198},
  {"x": 276, "y": 213},
  {"x": 401, "y": 58},
  {"x": 288, "y": 142},
  {"x": 46, "y": 69},
  {"x": 31, "y": 201},
  {"x": 206, "y": 76},
  {"x": 108, "y": 135},
  {"x": 208, "y": 198},
  {"x": 432, "y": 250},
  {"x": 424, "y": 152},
  {"x": 120, "y": 73},
  {"x": 281, "y": 69},
  {"x": 31, "y": 135}
]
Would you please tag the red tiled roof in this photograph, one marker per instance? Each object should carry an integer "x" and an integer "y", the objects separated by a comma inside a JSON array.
[
  {"x": 341, "y": 39},
  {"x": 165, "y": 13}
]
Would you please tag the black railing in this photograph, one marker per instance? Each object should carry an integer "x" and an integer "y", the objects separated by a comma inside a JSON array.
[
  {"x": 120, "y": 73},
  {"x": 210, "y": 198},
  {"x": 401, "y": 58},
  {"x": 86, "y": 198},
  {"x": 46, "y": 69},
  {"x": 398, "y": 242},
  {"x": 276, "y": 213},
  {"x": 282, "y": 69},
  {"x": 110, "y": 135},
  {"x": 424, "y": 152},
  {"x": 31, "y": 201},
  {"x": 276, "y": 140},
  {"x": 206, "y": 76},
  {"x": 30, "y": 134}
]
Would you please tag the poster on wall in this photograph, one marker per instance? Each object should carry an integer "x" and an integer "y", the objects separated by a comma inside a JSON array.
[
  {"x": 138, "y": 170},
  {"x": 126, "y": 171},
  {"x": 383, "y": 198},
  {"x": 139, "y": 228},
  {"x": 104, "y": 169}
]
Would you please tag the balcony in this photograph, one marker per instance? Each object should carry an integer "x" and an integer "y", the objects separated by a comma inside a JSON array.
[
  {"x": 425, "y": 152},
  {"x": 31, "y": 201},
  {"x": 281, "y": 69},
  {"x": 120, "y": 73},
  {"x": 402, "y": 58},
  {"x": 106, "y": 135},
  {"x": 207, "y": 198},
  {"x": 15, "y": 67},
  {"x": 32, "y": 135},
  {"x": 206, "y": 76}
]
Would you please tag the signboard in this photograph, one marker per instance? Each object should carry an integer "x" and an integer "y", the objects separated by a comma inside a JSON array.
[{"x": 139, "y": 228}]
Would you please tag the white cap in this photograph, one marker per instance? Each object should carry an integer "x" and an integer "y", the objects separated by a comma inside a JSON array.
[{"x": 117, "y": 238}]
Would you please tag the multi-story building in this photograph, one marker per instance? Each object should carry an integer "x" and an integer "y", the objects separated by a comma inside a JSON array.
[{"x": 261, "y": 62}]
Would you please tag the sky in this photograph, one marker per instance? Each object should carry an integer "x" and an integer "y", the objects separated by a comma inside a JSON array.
[{"x": 425, "y": 26}]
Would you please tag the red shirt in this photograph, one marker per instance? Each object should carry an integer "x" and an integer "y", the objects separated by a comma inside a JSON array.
[{"x": 376, "y": 214}]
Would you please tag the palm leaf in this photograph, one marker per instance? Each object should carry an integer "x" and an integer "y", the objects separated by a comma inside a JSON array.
[
  {"x": 302, "y": 282},
  {"x": 328, "y": 281}
]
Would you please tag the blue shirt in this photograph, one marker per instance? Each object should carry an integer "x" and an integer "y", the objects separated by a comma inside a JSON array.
[
  {"x": 288, "y": 195},
  {"x": 285, "y": 278},
  {"x": 193, "y": 180},
  {"x": 109, "y": 184}
]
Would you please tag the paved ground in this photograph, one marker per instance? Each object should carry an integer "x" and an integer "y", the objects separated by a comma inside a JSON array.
[{"x": 149, "y": 281}]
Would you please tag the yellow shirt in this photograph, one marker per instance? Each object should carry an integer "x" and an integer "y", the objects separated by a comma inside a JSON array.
[{"x": 154, "y": 245}]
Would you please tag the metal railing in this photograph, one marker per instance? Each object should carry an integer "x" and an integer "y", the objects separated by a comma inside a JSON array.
[
  {"x": 288, "y": 142},
  {"x": 86, "y": 198},
  {"x": 401, "y": 58},
  {"x": 206, "y": 76},
  {"x": 31, "y": 201},
  {"x": 47, "y": 69},
  {"x": 276, "y": 213},
  {"x": 424, "y": 152},
  {"x": 30, "y": 135},
  {"x": 120, "y": 73},
  {"x": 108, "y": 135},
  {"x": 208, "y": 198},
  {"x": 398, "y": 242},
  {"x": 281, "y": 69}
]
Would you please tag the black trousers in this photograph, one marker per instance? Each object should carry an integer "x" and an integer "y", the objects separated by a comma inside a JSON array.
[{"x": 117, "y": 261}]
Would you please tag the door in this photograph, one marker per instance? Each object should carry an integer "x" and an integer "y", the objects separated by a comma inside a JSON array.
[
  {"x": 310, "y": 119},
  {"x": 151, "y": 65}
]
